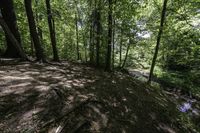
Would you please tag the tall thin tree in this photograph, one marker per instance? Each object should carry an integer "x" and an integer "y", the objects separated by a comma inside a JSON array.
[
  {"x": 52, "y": 31},
  {"x": 164, "y": 9},
  {"x": 109, "y": 47},
  {"x": 32, "y": 27},
  {"x": 97, "y": 24}
]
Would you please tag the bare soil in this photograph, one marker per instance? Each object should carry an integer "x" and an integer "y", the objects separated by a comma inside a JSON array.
[{"x": 76, "y": 98}]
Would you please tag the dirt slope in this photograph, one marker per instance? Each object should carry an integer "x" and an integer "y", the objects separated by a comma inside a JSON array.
[{"x": 76, "y": 98}]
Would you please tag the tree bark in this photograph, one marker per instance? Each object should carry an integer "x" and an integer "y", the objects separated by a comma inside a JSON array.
[
  {"x": 33, "y": 31},
  {"x": 98, "y": 35},
  {"x": 120, "y": 48},
  {"x": 52, "y": 31},
  {"x": 113, "y": 46},
  {"x": 109, "y": 47},
  {"x": 126, "y": 56},
  {"x": 91, "y": 40},
  {"x": 77, "y": 37},
  {"x": 158, "y": 40},
  {"x": 10, "y": 19},
  {"x": 13, "y": 40}
]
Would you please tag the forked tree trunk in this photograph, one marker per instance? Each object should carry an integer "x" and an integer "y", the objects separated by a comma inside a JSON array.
[
  {"x": 9, "y": 16},
  {"x": 158, "y": 40},
  {"x": 12, "y": 39},
  {"x": 33, "y": 31},
  {"x": 52, "y": 31}
]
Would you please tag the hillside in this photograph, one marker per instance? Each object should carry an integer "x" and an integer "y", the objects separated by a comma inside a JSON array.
[{"x": 73, "y": 98}]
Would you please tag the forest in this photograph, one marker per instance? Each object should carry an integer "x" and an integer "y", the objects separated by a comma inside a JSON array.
[{"x": 100, "y": 66}]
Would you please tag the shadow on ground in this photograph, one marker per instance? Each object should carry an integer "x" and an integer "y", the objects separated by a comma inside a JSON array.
[{"x": 76, "y": 98}]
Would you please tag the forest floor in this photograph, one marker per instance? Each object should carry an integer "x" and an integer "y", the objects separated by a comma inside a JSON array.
[{"x": 76, "y": 98}]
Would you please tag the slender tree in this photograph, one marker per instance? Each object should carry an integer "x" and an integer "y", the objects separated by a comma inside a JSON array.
[
  {"x": 38, "y": 19},
  {"x": 77, "y": 37},
  {"x": 120, "y": 48},
  {"x": 98, "y": 33},
  {"x": 158, "y": 39},
  {"x": 109, "y": 47},
  {"x": 52, "y": 31},
  {"x": 91, "y": 44},
  {"x": 127, "y": 52},
  {"x": 33, "y": 31}
]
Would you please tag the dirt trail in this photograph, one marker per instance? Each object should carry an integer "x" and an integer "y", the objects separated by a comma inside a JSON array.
[{"x": 76, "y": 98}]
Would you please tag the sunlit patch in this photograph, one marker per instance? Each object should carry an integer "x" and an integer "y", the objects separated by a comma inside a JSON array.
[
  {"x": 32, "y": 73},
  {"x": 19, "y": 85},
  {"x": 42, "y": 88},
  {"x": 166, "y": 128},
  {"x": 17, "y": 78},
  {"x": 43, "y": 83}
]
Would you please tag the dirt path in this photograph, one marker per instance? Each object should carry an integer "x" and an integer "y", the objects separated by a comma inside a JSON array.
[{"x": 77, "y": 98}]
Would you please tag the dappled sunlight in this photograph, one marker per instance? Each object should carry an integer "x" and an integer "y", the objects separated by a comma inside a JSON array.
[
  {"x": 166, "y": 128},
  {"x": 50, "y": 98}
]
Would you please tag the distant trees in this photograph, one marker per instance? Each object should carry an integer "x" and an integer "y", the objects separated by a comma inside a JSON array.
[{"x": 107, "y": 34}]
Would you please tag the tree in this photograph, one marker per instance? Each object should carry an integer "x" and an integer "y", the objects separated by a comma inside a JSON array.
[
  {"x": 33, "y": 31},
  {"x": 10, "y": 19},
  {"x": 109, "y": 47},
  {"x": 158, "y": 40},
  {"x": 52, "y": 31},
  {"x": 12, "y": 38}
]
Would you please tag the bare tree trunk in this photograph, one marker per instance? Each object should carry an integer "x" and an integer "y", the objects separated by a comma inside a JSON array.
[
  {"x": 37, "y": 19},
  {"x": 33, "y": 31},
  {"x": 127, "y": 52},
  {"x": 9, "y": 16},
  {"x": 12, "y": 38},
  {"x": 77, "y": 37},
  {"x": 109, "y": 47},
  {"x": 98, "y": 34},
  {"x": 91, "y": 39},
  {"x": 52, "y": 31},
  {"x": 120, "y": 48},
  {"x": 158, "y": 40},
  {"x": 113, "y": 46}
]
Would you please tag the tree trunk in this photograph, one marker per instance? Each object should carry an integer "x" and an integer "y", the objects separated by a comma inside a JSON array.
[
  {"x": 33, "y": 31},
  {"x": 113, "y": 46},
  {"x": 52, "y": 31},
  {"x": 91, "y": 40},
  {"x": 120, "y": 48},
  {"x": 12, "y": 39},
  {"x": 127, "y": 52},
  {"x": 109, "y": 47},
  {"x": 158, "y": 40},
  {"x": 38, "y": 18},
  {"x": 77, "y": 37},
  {"x": 98, "y": 36},
  {"x": 10, "y": 19}
]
